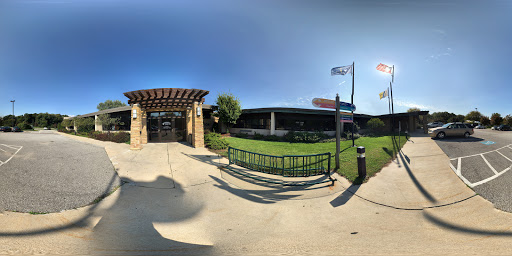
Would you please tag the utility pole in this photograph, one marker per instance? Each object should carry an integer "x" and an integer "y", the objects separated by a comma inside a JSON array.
[{"x": 13, "y": 116}]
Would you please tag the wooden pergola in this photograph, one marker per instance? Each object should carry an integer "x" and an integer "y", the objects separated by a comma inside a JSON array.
[{"x": 166, "y": 97}]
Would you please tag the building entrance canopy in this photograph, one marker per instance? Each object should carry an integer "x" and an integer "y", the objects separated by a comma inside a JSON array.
[{"x": 166, "y": 97}]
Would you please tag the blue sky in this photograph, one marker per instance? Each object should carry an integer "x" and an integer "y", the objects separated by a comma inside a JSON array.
[{"x": 66, "y": 56}]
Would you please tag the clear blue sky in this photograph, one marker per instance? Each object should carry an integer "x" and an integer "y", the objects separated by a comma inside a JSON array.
[{"x": 66, "y": 56}]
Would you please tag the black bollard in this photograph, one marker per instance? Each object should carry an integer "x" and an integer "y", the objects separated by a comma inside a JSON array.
[{"x": 361, "y": 161}]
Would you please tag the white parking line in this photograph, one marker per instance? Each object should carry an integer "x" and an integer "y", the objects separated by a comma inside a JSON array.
[
  {"x": 18, "y": 149},
  {"x": 509, "y": 146},
  {"x": 504, "y": 156},
  {"x": 488, "y": 164},
  {"x": 11, "y": 146},
  {"x": 3, "y": 150}
]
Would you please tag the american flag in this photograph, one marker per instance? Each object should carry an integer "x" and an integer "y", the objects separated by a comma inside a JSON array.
[{"x": 384, "y": 68}]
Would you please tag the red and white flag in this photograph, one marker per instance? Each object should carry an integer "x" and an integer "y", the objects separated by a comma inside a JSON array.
[{"x": 384, "y": 68}]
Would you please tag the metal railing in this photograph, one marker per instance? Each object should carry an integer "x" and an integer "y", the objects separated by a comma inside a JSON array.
[{"x": 287, "y": 166}]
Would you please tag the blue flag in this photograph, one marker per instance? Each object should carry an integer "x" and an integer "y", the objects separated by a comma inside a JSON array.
[{"x": 341, "y": 70}]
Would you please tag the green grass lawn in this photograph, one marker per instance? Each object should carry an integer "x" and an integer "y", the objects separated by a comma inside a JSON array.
[{"x": 379, "y": 151}]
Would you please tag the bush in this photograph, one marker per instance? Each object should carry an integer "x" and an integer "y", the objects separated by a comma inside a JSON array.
[
  {"x": 375, "y": 125},
  {"x": 215, "y": 141},
  {"x": 272, "y": 138},
  {"x": 121, "y": 137},
  {"x": 242, "y": 135},
  {"x": 118, "y": 137},
  {"x": 304, "y": 137},
  {"x": 258, "y": 136},
  {"x": 24, "y": 126}
]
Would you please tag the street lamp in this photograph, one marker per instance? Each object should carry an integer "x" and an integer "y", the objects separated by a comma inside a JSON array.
[{"x": 13, "y": 116}]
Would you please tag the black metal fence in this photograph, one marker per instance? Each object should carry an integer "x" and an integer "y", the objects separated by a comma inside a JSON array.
[{"x": 287, "y": 166}]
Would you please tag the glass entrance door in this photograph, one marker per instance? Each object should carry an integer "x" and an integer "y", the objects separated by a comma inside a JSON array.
[{"x": 166, "y": 126}]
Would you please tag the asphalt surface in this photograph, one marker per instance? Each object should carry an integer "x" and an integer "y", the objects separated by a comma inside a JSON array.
[
  {"x": 484, "y": 167},
  {"x": 46, "y": 172}
]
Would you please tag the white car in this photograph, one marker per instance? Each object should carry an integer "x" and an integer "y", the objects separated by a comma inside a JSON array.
[
  {"x": 435, "y": 124},
  {"x": 479, "y": 127}
]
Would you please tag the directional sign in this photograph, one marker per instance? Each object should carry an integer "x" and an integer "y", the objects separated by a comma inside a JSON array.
[
  {"x": 347, "y": 106},
  {"x": 487, "y": 142},
  {"x": 325, "y": 103},
  {"x": 344, "y": 118}
]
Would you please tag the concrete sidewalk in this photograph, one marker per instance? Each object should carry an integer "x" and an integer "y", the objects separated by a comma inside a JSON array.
[{"x": 177, "y": 201}]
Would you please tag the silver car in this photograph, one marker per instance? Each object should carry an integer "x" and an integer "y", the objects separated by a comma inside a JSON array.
[{"x": 451, "y": 129}]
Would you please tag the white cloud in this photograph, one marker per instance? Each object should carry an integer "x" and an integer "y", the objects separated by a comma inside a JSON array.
[
  {"x": 342, "y": 83},
  {"x": 410, "y": 104}
]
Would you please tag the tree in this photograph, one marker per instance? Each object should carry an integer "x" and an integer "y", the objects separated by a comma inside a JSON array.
[
  {"x": 108, "y": 104},
  {"x": 442, "y": 117},
  {"x": 473, "y": 116},
  {"x": 456, "y": 118},
  {"x": 496, "y": 119},
  {"x": 108, "y": 122},
  {"x": 84, "y": 124},
  {"x": 229, "y": 109},
  {"x": 508, "y": 120},
  {"x": 413, "y": 110},
  {"x": 375, "y": 124},
  {"x": 484, "y": 120}
]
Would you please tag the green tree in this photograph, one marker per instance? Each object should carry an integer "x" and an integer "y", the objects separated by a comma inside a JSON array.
[
  {"x": 108, "y": 104},
  {"x": 413, "y": 110},
  {"x": 107, "y": 122},
  {"x": 508, "y": 120},
  {"x": 496, "y": 119},
  {"x": 442, "y": 116},
  {"x": 473, "y": 116},
  {"x": 375, "y": 124},
  {"x": 456, "y": 118},
  {"x": 484, "y": 120},
  {"x": 84, "y": 124},
  {"x": 229, "y": 109}
]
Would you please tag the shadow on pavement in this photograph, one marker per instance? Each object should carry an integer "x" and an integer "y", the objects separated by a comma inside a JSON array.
[
  {"x": 462, "y": 229},
  {"x": 345, "y": 196},
  {"x": 127, "y": 227},
  {"x": 460, "y": 139}
]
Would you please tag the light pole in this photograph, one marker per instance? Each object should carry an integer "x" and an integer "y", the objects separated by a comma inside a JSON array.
[{"x": 13, "y": 116}]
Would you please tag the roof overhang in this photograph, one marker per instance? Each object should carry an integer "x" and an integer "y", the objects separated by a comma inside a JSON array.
[{"x": 166, "y": 97}]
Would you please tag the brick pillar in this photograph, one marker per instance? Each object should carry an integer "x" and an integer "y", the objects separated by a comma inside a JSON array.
[
  {"x": 425, "y": 123},
  {"x": 189, "y": 132},
  {"x": 197, "y": 126},
  {"x": 97, "y": 124},
  {"x": 136, "y": 128}
]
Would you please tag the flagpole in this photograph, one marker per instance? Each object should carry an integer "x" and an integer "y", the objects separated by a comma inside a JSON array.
[
  {"x": 389, "y": 102},
  {"x": 352, "y": 102},
  {"x": 337, "y": 155},
  {"x": 392, "y": 109}
]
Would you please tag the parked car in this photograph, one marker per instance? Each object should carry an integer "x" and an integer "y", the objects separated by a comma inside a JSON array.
[
  {"x": 46, "y": 128},
  {"x": 494, "y": 127},
  {"x": 480, "y": 127},
  {"x": 451, "y": 129},
  {"x": 16, "y": 129},
  {"x": 503, "y": 127},
  {"x": 5, "y": 129},
  {"x": 435, "y": 124}
]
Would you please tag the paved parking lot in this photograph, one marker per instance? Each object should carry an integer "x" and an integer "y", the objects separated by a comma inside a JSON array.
[
  {"x": 47, "y": 172},
  {"x": 483, "y": 162}
]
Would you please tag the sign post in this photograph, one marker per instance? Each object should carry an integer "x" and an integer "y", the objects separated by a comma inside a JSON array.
[{"x": 337, "y": 156}]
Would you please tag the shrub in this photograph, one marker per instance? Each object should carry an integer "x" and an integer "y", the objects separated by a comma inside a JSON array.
[
  {"x": 304, "y": 137},
  {"x": 242, "y": 135},
  {"x": 272, "y": 138},
  {"x": 215, "y": 141},
  {"x": 121, "y": 137},
  {"x": 118, "y": 137},
  {"x": 25, "y": 126},
  {"x": 375, "y": 125},
  {"x": 258, "y": 136}
]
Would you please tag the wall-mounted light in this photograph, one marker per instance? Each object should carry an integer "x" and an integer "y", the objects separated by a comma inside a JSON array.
[
  {"x": 198, "y": 110},
  {"x": 134, "y": 114}
]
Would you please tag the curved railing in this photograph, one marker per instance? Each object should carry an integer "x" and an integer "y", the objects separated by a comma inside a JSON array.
[{"x": 286, "y": 166}]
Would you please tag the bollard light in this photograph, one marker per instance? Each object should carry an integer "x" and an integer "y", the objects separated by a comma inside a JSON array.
[{"x": 361, "y": 161}]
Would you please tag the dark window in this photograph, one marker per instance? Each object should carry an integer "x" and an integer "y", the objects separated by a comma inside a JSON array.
[
  {"x": 254, "y": 121},
  {"x": 304, "y": 122}
]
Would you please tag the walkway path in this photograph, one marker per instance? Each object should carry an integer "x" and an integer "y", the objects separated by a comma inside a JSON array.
[{"x": 177, "y": 201}]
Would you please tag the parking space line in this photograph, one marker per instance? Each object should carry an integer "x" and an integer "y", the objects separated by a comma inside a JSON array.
[
  {"x": 3, "y": 150},
  {"x": 504, "y": 156},
  {"x": 459, "y": 169},
  {"x": 490, "y": 178},
  {"x": 488, "y": 164},
  {"x": 10, "y": 146},
  {"x": 18, "y": 149},
  {"x": 509, "y": 146}
]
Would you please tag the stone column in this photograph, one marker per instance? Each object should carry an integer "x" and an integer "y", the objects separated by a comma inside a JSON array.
[
  {"x": 97, "y": 124},
  {"x": 144, "y": 120},
  {"x": 136, "y": 128},
  {"x": 197, "y": 123},
  {"x": 272, "y": 123},
  {"x": 189, "y": 114},
  {"x": 425, "y": 123}
]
